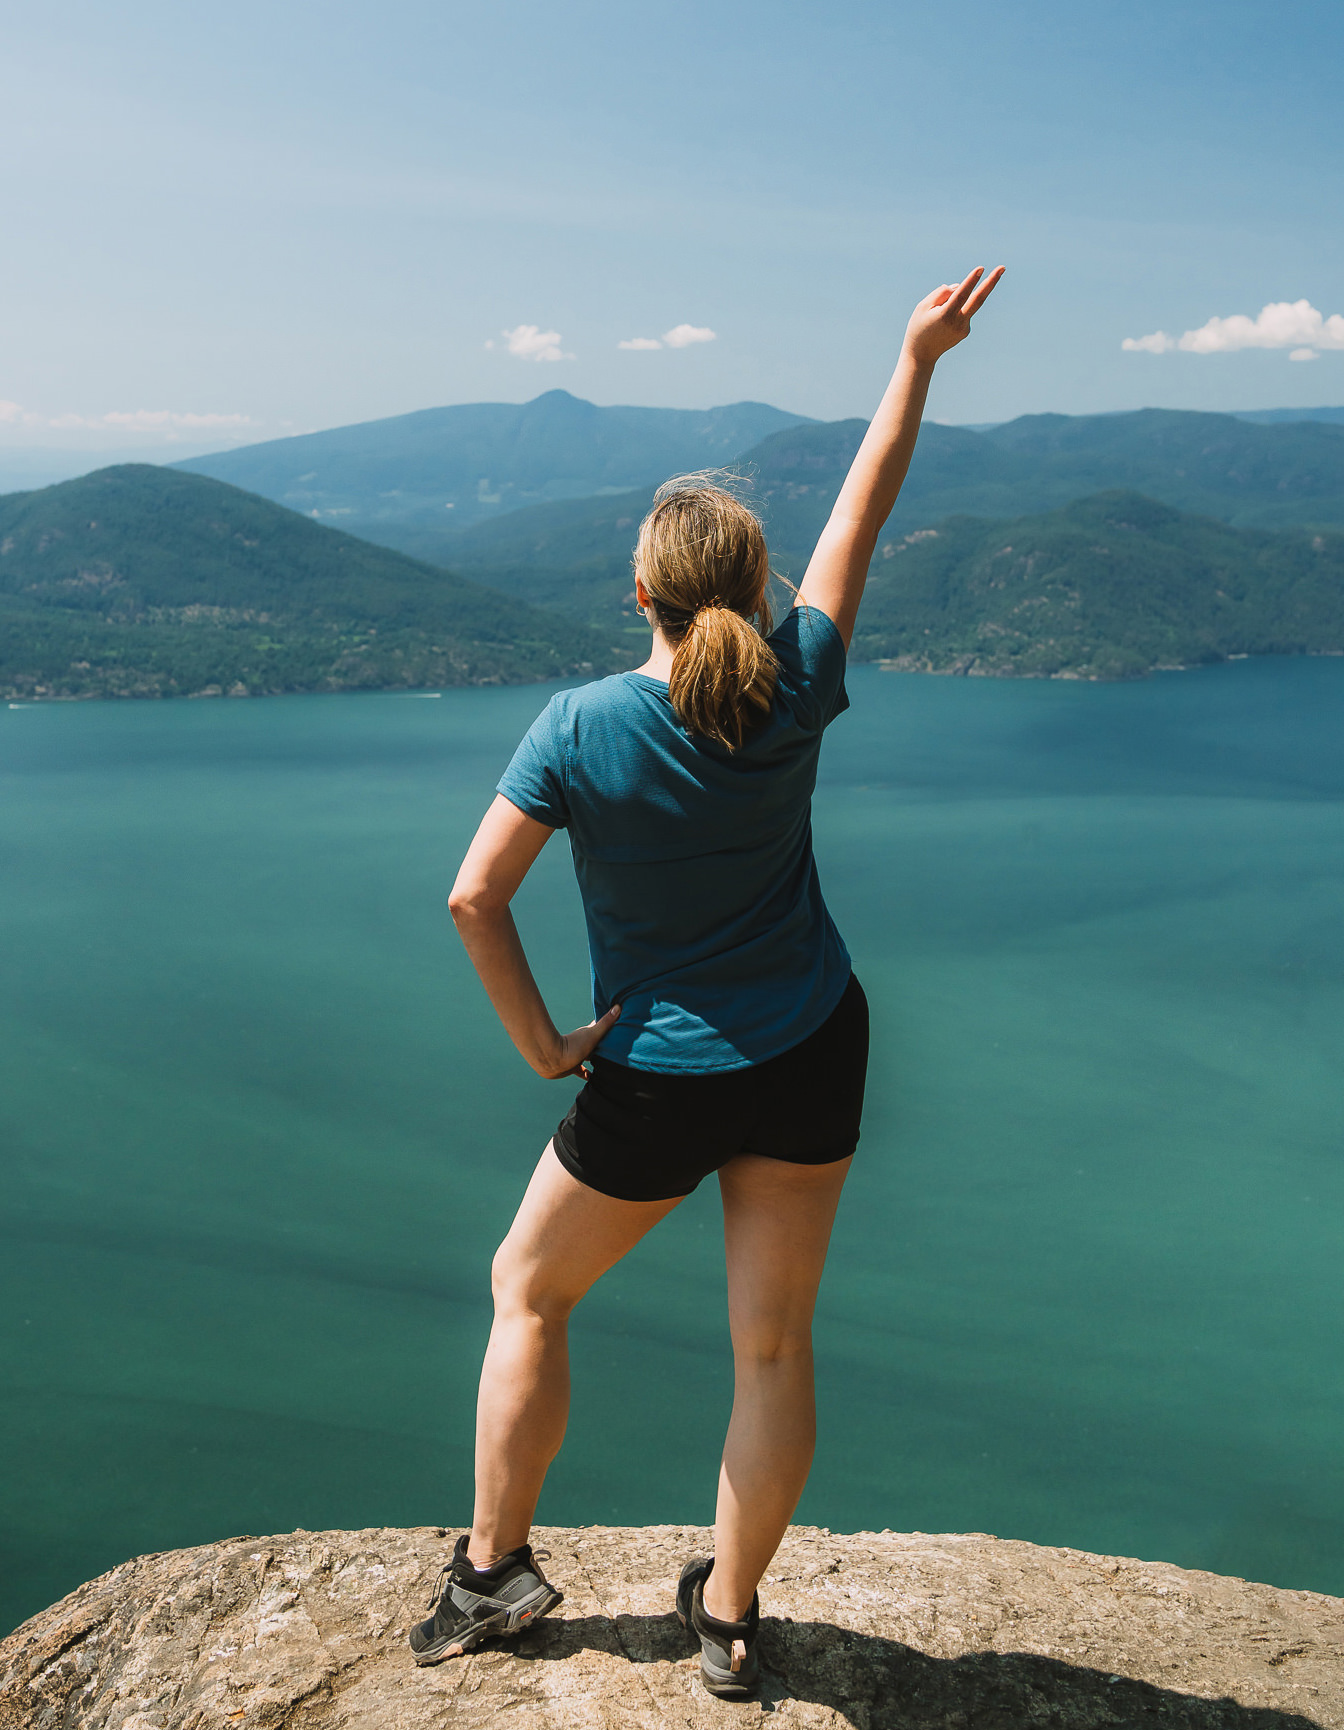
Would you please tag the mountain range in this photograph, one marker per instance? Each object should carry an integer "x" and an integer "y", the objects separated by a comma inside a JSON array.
[
  {"x": 409, "y": 481},
  {"x": 25, "y": 466},
  {"x": 483, "y": 485},
  {"x": 443, "y": 483},
  {"x": 1089, "y": 546}
]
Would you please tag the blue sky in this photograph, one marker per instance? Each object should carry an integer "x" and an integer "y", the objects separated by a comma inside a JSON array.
[{"x": 264, "y": 218}]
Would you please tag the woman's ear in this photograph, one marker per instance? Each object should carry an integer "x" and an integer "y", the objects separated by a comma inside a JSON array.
[{"x": 641, "y": 593}]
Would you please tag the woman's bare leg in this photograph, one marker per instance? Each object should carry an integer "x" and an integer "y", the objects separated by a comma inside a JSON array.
[
  {"x": 777, "y": 1225},
  {"x": 563, "y": 1238}
]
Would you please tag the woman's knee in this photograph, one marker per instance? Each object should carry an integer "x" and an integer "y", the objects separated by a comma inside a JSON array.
[
  {"x": 769, "y": 1346},
  {"x": 521, "y": 1287}
]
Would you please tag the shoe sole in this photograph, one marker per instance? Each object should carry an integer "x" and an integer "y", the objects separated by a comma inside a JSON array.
[
  {"x": 504, "y": 1623},
  {"x": 727, "y": 1686}
]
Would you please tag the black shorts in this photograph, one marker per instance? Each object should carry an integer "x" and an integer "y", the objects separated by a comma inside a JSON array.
[{"x": 640, "y": 1135}]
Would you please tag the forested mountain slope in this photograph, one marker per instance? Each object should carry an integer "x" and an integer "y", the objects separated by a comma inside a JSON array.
[
  {"x": 1105, "y": 587},
  {"x": 142, "y": 581},
  {"x": 1108, "y": 587}
]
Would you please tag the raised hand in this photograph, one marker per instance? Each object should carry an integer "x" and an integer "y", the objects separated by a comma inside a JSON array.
[
  {"x": 839, "y": 565},
  {"x": 943, "y": 319}
]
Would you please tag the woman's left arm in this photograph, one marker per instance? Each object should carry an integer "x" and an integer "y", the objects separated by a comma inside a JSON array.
[{"x": 501, "y": 855}]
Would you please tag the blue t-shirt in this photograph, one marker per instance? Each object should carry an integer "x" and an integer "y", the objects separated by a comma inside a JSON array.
[{"x": 705, "y": 917}]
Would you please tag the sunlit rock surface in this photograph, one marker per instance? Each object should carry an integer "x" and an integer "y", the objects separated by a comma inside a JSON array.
[{"x": 871, "y": 1630}]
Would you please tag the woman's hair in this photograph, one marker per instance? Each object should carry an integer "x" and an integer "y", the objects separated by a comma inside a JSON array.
[{"x": 702, "y": 560}]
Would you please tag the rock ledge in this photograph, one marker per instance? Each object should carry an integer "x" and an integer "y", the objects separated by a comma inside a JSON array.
[{"x": 871, "y": 1631}]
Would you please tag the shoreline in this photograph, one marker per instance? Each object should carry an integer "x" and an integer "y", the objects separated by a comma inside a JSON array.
[
  {"x": 964, "y": 667},
  {"x": 968, "y": 667}
]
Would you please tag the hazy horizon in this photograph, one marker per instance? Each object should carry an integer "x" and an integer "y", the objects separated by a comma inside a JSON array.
[{"x": 25, "y": 467}]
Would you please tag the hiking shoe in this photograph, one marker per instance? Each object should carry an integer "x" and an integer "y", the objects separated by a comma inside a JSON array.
[
  {"x": 468, "y": 1605},
  {"x": 729, "y": 1666}
]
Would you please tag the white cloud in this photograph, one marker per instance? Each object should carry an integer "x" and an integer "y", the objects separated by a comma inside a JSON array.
[
  {"x": 683, "y": 335},
  {"x": 10, "y": 411},
  {"x": 530, "y": 342},
  {"x": 1290, "y": 324},
  {"x": 641, "y": 342},
  {"x": 1158, "y": 343},
  {"x": 167, "y": 420},
  {"x": 160, "y": 420},
  {"x": 1281, "y": 324}
]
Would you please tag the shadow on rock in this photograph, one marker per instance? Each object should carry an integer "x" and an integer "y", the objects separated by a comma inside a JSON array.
[{"x": 879, "y": 1684}]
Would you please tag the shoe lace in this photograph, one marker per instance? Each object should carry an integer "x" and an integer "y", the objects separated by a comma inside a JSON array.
[{"x": 439, "y": 1584}]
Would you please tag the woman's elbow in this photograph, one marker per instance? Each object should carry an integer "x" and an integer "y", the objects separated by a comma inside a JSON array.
[
  {"x": 468, "y": 902},
  {"x": 461, "y": 903}
]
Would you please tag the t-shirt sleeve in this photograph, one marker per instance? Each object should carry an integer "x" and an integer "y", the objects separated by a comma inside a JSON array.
[
  {"x": 535, "y": 780},
  {"x": 811, "y": 656}
]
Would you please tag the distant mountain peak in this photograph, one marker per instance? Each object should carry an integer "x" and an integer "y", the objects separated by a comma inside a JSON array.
[{"x": 411, "y": 479}]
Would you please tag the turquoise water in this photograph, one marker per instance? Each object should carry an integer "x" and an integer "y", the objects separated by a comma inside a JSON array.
[{"x": 261, "y": 1131}]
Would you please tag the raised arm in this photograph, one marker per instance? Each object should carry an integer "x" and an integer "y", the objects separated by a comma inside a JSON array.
[{"x": 838, "y": 568}]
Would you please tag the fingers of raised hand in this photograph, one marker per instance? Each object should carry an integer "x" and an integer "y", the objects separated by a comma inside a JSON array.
[
  {"x": 984, "y": 291},
  {"x": 959, "y": 295}
]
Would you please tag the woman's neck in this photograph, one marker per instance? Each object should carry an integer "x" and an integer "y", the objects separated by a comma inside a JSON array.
[{"x": 659, "y": 663}]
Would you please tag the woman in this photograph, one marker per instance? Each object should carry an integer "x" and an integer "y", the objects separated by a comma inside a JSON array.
[{"x": 730, "y": 1034}]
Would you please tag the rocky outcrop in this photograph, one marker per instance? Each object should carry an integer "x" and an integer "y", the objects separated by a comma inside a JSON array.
[{"x": 870, "y": 1631}]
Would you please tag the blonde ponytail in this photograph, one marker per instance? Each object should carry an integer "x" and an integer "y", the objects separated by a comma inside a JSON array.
[{"x": 703, "y": 562}]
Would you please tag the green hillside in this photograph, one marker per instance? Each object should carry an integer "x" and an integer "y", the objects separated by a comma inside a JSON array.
[
  {"x": 576, "y": 555},
  {"x": 1109, "y": 587},
  {"x": 1105, "y": 587},
  {"x": 142, "y": 581},
  {"x": 411, "y": 480}
]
